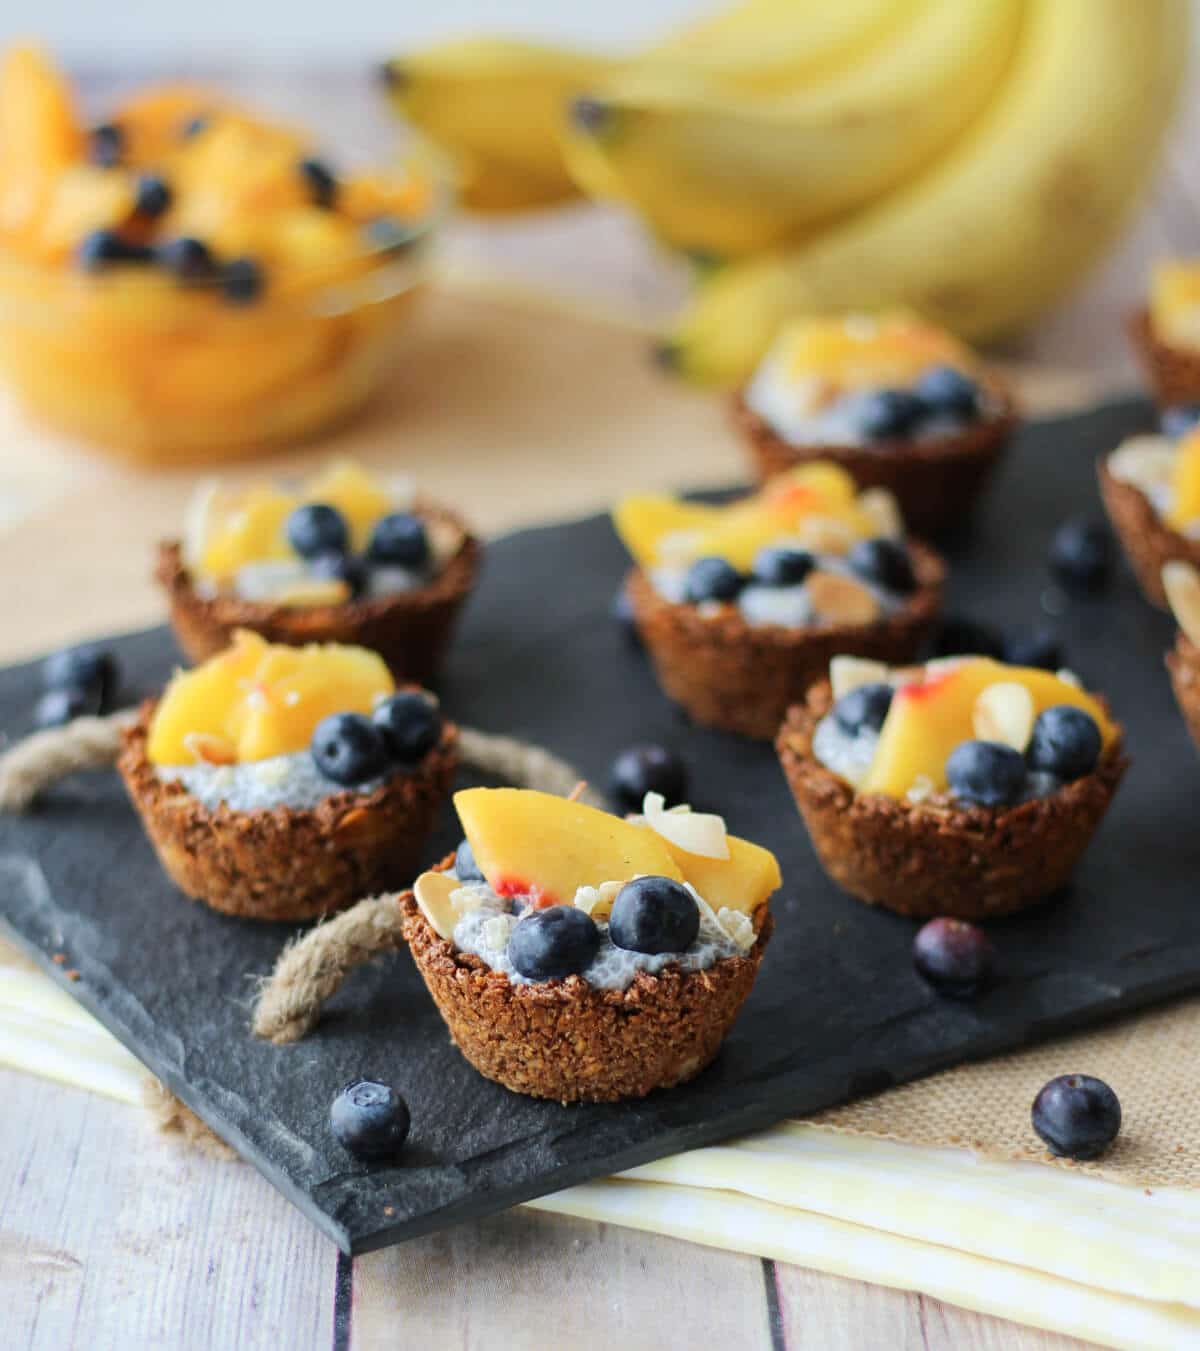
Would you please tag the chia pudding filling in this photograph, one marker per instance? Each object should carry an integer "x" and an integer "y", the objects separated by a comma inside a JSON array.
[{"x": 290, "y": 780}]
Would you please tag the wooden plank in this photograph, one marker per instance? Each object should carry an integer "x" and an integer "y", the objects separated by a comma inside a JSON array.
[{"x": 112, "y": 1235}]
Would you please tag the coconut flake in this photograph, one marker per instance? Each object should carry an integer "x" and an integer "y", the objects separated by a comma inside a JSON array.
[
  {"x": 598, "y": 901},
  {"x": 497, "y": 930},
  {"x": 736, "y": 925},
  {"x": 849, "y": 673},
  {"x": 700, "y": 833}
]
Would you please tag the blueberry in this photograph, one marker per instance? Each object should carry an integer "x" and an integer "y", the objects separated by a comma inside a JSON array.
[
  {"x": 1179, "y": 419},
  {"x": 187, "y": 259},
  {"x": 320, "y": 180},
  {"x": 863, "y": 708},
  {"x": 465, "y": 867},
  {"x": 317, "y": 528},
  {"x": 348, "y": 748},
  {"x": 1077, "y": 1116},
  {"x": 647, "y": 769},
  {"x": 411, "y": 724},
  {"x": 1038, "y": 783},
  {"x": 884, "y": 562},
  {"x": 194, "y": 126},
  {"x": 1081, "y": 554},
  {"x": 955, "y": 957},
  {"x": 1038, "y": 647},
  {"x": 782, "y": 567},
  {"x": 621, "y": 611},
  {"x": 106, "y": 248},
  {"x": 346, "y": 568},
  {"x": 60, "y": 705},
  {"x": 390, "y": 235},
  {"x": 242, "y": 281},
  {"x": 399, "y": 539},
  {"x": 959, "y": 636},
  {"x": 553, "y": 942},
  {"x": 153, "y": 196},
  {"x": 887, "y": 413},
  {"x": 945, "y": 389},
  {"x": 370, "y": 1119},
  {"x": 985, "y": 773},
  {"x": 712, "y": 579},
  {"x": 106, "y": 145},
  {"x": 654, "y": 915},
  {"x": 1066, "y": 742},
  {"x": 88, "y": 667}
]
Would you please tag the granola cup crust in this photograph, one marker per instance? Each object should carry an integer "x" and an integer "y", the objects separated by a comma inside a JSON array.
[
  {"x": 1146, "y": 538},
  {"x": 566, "y": 1041},
  {"x": 1173, "y": 372},
  {"x": 742, "y": 677},
  {"x": 284, "y": 864},
  {"x": 410, "y": 629},
  {"x": 940, "y": 859},
  {"x": 935, "y": 482},
  {"x": 1184, "y": 666}
]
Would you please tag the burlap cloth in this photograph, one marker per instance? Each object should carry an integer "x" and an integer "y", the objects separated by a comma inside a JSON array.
[{"x": 514, "y": 414}]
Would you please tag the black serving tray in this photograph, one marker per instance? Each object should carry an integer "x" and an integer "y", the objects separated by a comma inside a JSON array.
[{"x": 837, "y": 1011}]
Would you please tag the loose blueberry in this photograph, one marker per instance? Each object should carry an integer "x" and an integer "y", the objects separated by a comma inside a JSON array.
[
  {"x": 1077, "y": 1116},
  {"x": 863, "y": 709},
  {"x": 187, "y": 259},
  {"x": 242, "y": 281},
  {"x": 621, "y": 611},
  {"x": 399, "y": 539},
  {"x": 1179, "y": 419},
  {"x": 370, "y": 1119},
  {"x": 411, "y": 724},
  {"x": 106, "y": 145},
  {"x": 88, "y": 667},
  {"x": 947, "y": 390},
  {"x": 153, "y": 196},
  {"x": 782, "y": 567},
  {"x": 884, "y": 414},
  {"x": 320, "y": 181},
  {"x": 959, "y": 636},
  {"x": 647, "y": 769},
  {"x": 654, "y": 915},
  {"x": 349, "y": 748},
  {"x": 465, "y": 867},
  {"x": 552, "y": 943},
  {"x": 60, "y": 705},
  {"x": 884, "y": 562},
  {"x": 712, "y": 579},
  {"x": 1081, "y": 554},
  {"x": 317, "y": 528},
  {"x": 1038, "y": 647},
  {"x": 1066, "y": 742},
  {"x": 348, "y": 568},
  {"x": 985, "y": 773},
  {"x": 106, "y": 248},
  {"x": 955, "y": 957}
]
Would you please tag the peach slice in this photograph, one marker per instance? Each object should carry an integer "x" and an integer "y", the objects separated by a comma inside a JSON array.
[
  {"x": 646, "y": 521},
  {"x": 531, "y": 843},
  {"x": 743, "y": 881},
  {"x": 361, "y": 500},
  {"x": 195, "y": 705},
  {"x": 1185, "y": 483}
]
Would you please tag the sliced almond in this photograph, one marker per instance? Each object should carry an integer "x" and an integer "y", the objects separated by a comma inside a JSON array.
[
  {"x": 445, "y": 539},
  {"x": 883, "y": 509},
  {"x": 700, "y": 833},
  {"x": 1181, "y": 581},
  {"x": 850, "y": 673},
  {"x": 1004, "y": 712},
  {"x": 841, "y": 600},
  {"x": 320, "y": 591},
  {"x": 432, "y": 892},
  {"x": 824, "y": 535}
]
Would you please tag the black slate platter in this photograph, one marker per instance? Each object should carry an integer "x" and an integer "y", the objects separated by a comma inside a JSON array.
[{"x": 837, "y": 1010}]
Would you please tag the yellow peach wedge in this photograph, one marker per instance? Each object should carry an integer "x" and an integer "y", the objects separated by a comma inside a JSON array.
[{"x": 1185, "y": 483}]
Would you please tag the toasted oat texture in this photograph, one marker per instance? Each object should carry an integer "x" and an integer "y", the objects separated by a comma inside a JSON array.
[
  {"x": 939, "y": 858},
  {"x": 742, "y": 677},
  {"x": 410, "y": 629},
  {"x": 566, "y": 1041},
  {"x": 936, "y": 482},
  {"x": 283, "y": 864},
  {"x": 1147, "y": 539},
  {"x": 1173, "y": 372},
  {"x": 1184, "y": 666}
]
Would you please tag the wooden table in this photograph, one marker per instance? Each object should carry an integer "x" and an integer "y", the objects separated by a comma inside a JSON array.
[{"x": 113, "y": 1235}]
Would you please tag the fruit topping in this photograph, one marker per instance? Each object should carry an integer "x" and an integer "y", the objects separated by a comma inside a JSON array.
[
  {"x": 61, "y": 705},
  {"x": 883, "y": 511},
  {"x": 867, "y": 351},
  {"x": 884, "y": 562},
  {"x": 1081, "y": 554},
  {"x": 242, "y": 280},
  {"x": 955, "y": 957},
  {"x": 349, "y": 748},
  {"x": 848, "y": 673},
  {"x": 152, "y": 197},
  {"x": 317, "y": 528},
  {"x": 1004, "y": 713},
  {"x": 399, "y": 539},
  {"x": 945, "y": 389},
  {"x": 712, "y": 579},
  {"x": 841, "y": 600},
  {"x": 108, "y": 248},
  {"x": 1066, "y": 742},
  {"x": 742, "y": 882},
  {"x": 106, "y": 145},
  {"x": 985, "y": 773},
  {"x": 465, "y": 867},
  {"x": 864, "y": 708},
  {"x": 187, "y": 259},
  {"x": 884, "y": 414},
  {"x": 639, "y": 770},
  {"x": 782, "y": 567},
  {"x": 88, "y": 667},
  {"x": 1179, "y": 419},
  {"x": 370, "y": 1120},
  {"x": 959, "y": 635},
  {"x": 411, "y": 724},
  {"x": 1077, "y": 1116},
  {"x": 1038, "y": 647},
  {"x": 654, "y": 915},
  {"x": 553, "y": 943},
  {"x": 685, "y": 831},
  {"x": 320, "y": 181},
  {"x": 1181, "y": 581}
]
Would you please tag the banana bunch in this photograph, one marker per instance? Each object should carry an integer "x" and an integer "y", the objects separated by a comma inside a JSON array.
[{"x": 967, "y": 160}]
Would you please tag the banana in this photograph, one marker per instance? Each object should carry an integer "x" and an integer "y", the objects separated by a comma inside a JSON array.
[
  {"x": 731, "y": 175},
  {"x": 1005, "y": 222}
]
